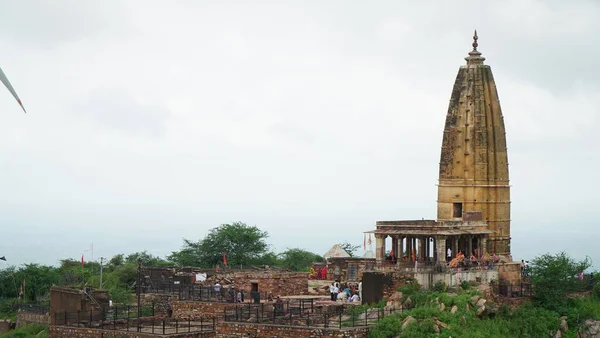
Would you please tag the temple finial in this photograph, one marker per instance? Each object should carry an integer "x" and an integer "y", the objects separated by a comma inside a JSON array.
[
  {"x": 475, "y": 57},
  {"x": 475, "y": 41}
]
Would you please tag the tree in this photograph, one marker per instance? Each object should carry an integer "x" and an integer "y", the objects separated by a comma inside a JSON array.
[
  {"x": 242, "y": 245},
  {"x": 298, "y": 259},
  {"x": 350, "y": 249},
  {"x": 553, "y": 277}
]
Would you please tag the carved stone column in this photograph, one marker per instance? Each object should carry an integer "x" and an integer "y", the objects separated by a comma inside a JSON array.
[
  {"x": 441, "y": 248},
  {"x": 379, "y": 249},
  {"x": 422, "y": 248}
]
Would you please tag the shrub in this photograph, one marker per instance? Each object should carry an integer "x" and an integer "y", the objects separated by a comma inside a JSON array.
[
  {"x": 440, "y": 286},
  {"x": 465, "y": 285}
]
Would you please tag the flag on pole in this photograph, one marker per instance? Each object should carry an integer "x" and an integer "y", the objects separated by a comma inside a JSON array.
[
  {"x": 3, "y": 258},
  {"x": 82, "y": 262},
  {"x": 365, "y": 241},
  {"x": 225, "y": 258},
  {"x": 10, "y": 88},
  {"x": 370, "y": 242}
]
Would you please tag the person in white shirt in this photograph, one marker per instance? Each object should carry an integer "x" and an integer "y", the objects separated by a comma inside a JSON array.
[
  {"x": 354, "y": 298},
  {"x": 331, "y": 289},
  {"x": 360, "y": 289},
  {"x": 341, "y": 296},
  {"x": 336, "y": 291},
  {"x": 449, "y": 255}
]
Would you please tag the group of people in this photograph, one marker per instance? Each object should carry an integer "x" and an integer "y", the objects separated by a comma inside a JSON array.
[
  {"x": 345, "y": 293},
  {"x": 235, "y": 295},
  {"x": 474, "y": 260},
  {"x": 318, "y": 273}
]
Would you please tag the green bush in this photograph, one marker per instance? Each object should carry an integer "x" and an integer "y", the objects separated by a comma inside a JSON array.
[
  {"x": 440, "y": 286},
  {"x": 465, "y": 285},
  {"x": 26, "y": 331}
]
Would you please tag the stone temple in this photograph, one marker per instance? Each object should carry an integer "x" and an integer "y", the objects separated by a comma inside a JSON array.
[{"x": 473, "y": 204}]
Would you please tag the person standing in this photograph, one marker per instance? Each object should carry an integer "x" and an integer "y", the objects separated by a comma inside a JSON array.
[{"x": 331, "y": 290}]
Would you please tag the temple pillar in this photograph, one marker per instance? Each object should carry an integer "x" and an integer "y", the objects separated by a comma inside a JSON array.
[
  {"x": 379, "y": 249},
  {"x": 483, "y": 245},
  {"x": 395, "y": 245},
  {"x": 422, "y": 249},
  {"x": 440, "y": 242},
  {"x": 470, "y": 246},
  {"x": 455, "y": 246}
]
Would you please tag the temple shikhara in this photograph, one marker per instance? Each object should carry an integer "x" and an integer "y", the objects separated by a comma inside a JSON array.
[{"x": 473, "y": 205}]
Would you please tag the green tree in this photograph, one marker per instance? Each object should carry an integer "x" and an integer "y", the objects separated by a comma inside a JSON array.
[
  {"x": 553, "y": 277},
  {"x": 298, "y": 259},
  {"x": 350, "y": 248},
  {"x": 147, "y": 259},
  {"x": 241, "y": 243}
]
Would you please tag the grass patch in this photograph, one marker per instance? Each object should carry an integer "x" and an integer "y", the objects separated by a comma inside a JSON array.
[{"x": 26, "y": 331}]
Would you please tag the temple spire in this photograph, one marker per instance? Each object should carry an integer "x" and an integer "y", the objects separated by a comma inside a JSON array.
[{"x": 475, "y": 57}]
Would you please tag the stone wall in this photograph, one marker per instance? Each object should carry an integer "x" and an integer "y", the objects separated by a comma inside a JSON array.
[
  {"x": 24, "y": 318},
  {"x": 273, "y": 282},
  {"x": 74, "y": 332},
  {"x": 73, "y": 300},
  {"x": 337, "y": 267},
  {"x": 194, "y": 310},
  {"x": 509, "y": 272},
  {"x": 227, "y": 330},
  {"x": 453, "y": 279}
]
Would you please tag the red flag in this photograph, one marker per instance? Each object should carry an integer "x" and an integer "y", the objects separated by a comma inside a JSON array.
[
  {"x": 225, "y": 258},
  {"x": 365, "y": 241},
  {"x": 82, "y": 263}
]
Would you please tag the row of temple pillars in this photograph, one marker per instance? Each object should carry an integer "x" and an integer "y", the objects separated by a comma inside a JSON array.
[{"x": 428, "y": 248}]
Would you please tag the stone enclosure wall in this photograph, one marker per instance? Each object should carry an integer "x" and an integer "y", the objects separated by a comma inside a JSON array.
[
  {"x": 273, "y": 282},
  {"x": 227, "y": 330},
  {"x": 194, "y": 310},
  {"x": 24, "y": 318},
  {"x": 73, "y": 332},
  {"x": 428, "y": 279},
  {"x": 337, "y": 268}
]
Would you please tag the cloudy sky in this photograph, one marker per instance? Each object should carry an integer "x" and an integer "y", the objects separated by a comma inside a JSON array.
[{"x": 153, "y": 121}]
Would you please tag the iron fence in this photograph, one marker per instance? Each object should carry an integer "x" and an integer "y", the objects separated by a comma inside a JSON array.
[
  {"x": 297, "y": 313},
  {"x": 202, "y": 293},
  {"x": 513, "y": 290},
  {"x": 37, "y": 308},
  {"x": 129, "y": 319}
]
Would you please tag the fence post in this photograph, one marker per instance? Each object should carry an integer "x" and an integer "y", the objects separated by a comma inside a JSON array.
[
  {"x": 366, "y": 318},
  {"x": 190, "y": 325},
  {"x": 152, "y": 323},
  {"x": 214, "y": 324},
  {"x": 78, "y": 320},
  {"x": 176, "y": 325},
  {"x": 163, "y": 325},
  {"x": 256, "y": 315},
  {"x": 90, "y": 322},
  {"x": 201, "y": 325},
  {"x": 340, "y": 319},
  {"x": 115, "y": 318}
]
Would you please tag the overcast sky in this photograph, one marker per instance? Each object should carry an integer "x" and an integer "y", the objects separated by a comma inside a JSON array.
[{"x": 153, "y": 121}]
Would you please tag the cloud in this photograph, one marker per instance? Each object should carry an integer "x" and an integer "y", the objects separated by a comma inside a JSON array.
[{"x": 309, "y": 120}]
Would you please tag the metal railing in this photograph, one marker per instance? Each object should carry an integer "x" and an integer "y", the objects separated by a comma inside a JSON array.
[
  {"x": 513, "y": 290},
  {"x": 201, "y": 293},
  {"x": 37, "y": 308},
  {"x": 128, "y": 320},
  {"x": 294, "y": 313}
]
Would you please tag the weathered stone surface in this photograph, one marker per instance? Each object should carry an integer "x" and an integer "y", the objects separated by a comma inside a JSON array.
[
  {"x": 481, "y": 310},
  {"x": 481, "y": 302},
  {"x": 564, "y": 327},
  {"x": 590, "y": 329},
  {"x": 408, "y": 303},
  {"x": 474, "y": 300},
  {"x": 228, "y": 330},
  {"x": 454, "y": 309},
  {"x": 473, "y": 162},
  {"x": 442, "y": 307}
]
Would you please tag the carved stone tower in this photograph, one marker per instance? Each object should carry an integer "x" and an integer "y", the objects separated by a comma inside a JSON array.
[{"x": 473, "y": 179}]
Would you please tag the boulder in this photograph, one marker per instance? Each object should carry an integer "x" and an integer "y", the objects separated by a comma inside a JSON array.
[
  {"x": 395, "y": 301},
  {"x": 408, "y": 321},
  {"x": 442, "y": 307},
  {"x": 454, "y": 309},
  {"x": 481, "y": 302},
  {"x": 408, "y": 303},
  {"x": 564, "y": 327},
  {"x": 468, "y": 307},
  {"x": 481, "y": 311},
  {"x": 558, "y": 334},
  {"x": 440, "y": 324},
  {"x": 474, "y": 300},
  {"x": 491, "y": 307},
  {"x": 590, "y": 329}
]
